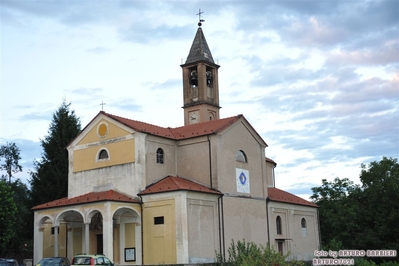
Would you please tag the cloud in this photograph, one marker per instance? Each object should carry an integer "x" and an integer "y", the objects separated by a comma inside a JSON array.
[
  {"x": 385, "y": 53},
  {"x": 143, "y": 33},
  {"x": 36, "y": 116},
  {"x": 86, "y": 92},
  {"x": 127, "y": 105},
  {"x": 99, "y": 50}
]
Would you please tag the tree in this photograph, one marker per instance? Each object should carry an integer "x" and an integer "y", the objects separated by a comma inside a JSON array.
[
  {"x": 24, "y": 227},
  {"x": 380, "y": 216},
  {"x": 338, "y": 210},
  {"x": 49, "y": 180},
  {"x": 8, "y": 212},
  {"x": 362, "y": 216},
  {"x": 10, "y": 153}
]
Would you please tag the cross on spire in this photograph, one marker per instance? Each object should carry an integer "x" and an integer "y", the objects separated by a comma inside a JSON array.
[
  {"x": 199, "y": 18},
  {"x": 102, "y": 105}
]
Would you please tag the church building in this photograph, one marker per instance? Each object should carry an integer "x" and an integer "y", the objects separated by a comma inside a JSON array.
[{"x": 142, "y": 194}]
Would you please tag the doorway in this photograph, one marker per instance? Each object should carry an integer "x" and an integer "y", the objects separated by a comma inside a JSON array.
[{"x": 99, "y": 244}]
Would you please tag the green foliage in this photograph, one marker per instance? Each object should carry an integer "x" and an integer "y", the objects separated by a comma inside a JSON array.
[
  {"x": 389, "y": 263},
  {"x": 8, "y": 211},
  {"x": 49, "y": 181},
  {"x": 334, "y": 244},
  {"x": 10, "y": 154},
  {"x": 364, "y": 262},
  {"x": 361, "y": 216},
  {"x": 380, "y": 200},
  {"x": 249, "y": 254},
  {"x": 23, "y": 228},
  {"x": 338, "y": 210}
]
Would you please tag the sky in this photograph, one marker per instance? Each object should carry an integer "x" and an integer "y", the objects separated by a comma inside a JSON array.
[{"x": 317, "y": 79}]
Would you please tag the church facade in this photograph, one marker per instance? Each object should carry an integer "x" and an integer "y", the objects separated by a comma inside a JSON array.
[{"x": 144, "y": 194}]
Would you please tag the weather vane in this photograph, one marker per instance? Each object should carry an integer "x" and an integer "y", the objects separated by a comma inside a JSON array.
[{"x": 199, "y": 18}]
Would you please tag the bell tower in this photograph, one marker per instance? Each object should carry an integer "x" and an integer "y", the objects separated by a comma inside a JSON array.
[{"x": 200, "y": 83}]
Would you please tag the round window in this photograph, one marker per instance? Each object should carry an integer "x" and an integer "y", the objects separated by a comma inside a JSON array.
[{"x": 102, "y": 130}]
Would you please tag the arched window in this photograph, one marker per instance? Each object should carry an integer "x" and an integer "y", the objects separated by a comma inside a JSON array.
[
  {"x": 303, "y": 223},
  {"x": 160, "y": 156},
  {"x": 303, "y": 227},
  {"x": 241, "y": 157},
  {"x": 278, "y": 225},
  {"x": 103, "y": 154}
]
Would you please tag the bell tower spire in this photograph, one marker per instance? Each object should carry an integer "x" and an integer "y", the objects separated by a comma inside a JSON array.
[{"x": 200, "y": 81}]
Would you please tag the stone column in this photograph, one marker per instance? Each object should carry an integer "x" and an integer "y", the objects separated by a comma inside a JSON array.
[
  {"x": 108, "y": 236},
  {"x": 87, "y": 238},
  {"x": 38, "y": 237},
  {"x": 56, "y": 241}
]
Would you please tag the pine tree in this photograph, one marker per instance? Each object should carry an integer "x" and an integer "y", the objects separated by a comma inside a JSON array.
[{"x": 49, "y": 181}]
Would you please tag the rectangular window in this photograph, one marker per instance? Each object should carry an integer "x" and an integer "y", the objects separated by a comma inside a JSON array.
[
  {"x": 280, "y": 247},
  {"x": 159, "y": 220}
]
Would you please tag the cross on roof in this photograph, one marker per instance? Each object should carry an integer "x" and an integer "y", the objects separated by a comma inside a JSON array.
[
  {"x": 199, "y": 17},
  {"x": 102, "y": 105}
]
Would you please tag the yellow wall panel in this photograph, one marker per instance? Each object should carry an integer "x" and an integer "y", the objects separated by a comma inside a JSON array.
[
  {"x": 160, "y": 239},
  {"x": 103, "y": 130},
  {"x": 48, "y": 244},
  {"x": 77, "y": 240},
  {"x": 130, "y": 235},
  {"x": 119, "y": 152}
]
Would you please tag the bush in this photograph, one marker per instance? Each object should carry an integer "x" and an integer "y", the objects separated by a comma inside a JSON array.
[
  {"x": 250, "y": 254},
  {"x": 389, "y": 263},
  {"x": 364, "y": 262}
]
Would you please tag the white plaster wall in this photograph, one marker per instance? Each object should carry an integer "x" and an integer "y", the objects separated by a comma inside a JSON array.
[
  {"x": 238, "y": 137},
  {"x": 203, "y": 230},
  {"x": 300, "y": 247},
  {"x": 154, "y": 170},
  {"x": 244, "y": 218},
  {"x": 121, "y": 178}
]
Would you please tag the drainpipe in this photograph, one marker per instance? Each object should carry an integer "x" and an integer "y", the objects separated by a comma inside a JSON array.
[
  {"x": 221, "y": 227},
  {"x": 210, "y": 161},
  {"x": 224, "y": 246},
  {"x": 267, "y": 221},
  {"x": 142, "y": 229}
]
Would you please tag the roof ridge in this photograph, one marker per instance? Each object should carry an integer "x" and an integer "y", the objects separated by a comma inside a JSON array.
[
  {"x": 161, "y": 186},
  {"x": 173, "y": 178},
  {"x": 207, "y": 122},
  {"x": 139, "y": 121},
  {"x": 109, "y": 194},
  {"x": 229, "y": 123}
]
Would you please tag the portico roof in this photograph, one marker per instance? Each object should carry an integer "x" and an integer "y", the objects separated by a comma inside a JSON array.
[{"x": 109, "y": 195}]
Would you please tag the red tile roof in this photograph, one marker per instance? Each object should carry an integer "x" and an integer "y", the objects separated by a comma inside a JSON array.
[
  {"x": 173, "y": 183},
  {"x": 91, "y": 197},
  {"x": 189, "y": 131},
  {"x": 271, "y": 161},
  {"x": 279, "y": 195},
  {"x": 178, "y": 133}
]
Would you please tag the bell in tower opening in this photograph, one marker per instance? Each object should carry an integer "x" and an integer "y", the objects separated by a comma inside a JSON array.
[
  {"x": 209, "y": 78},
  {"x": 193, "y": 78}
]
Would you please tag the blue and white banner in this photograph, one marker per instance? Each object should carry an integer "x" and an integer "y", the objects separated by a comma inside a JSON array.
[{"x": 242, "y": 180}]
